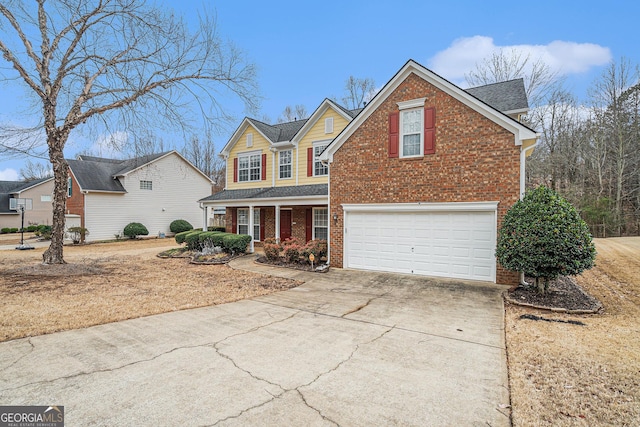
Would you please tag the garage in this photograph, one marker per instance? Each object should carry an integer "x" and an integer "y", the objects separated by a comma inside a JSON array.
[{"x": 455, "y": 240}]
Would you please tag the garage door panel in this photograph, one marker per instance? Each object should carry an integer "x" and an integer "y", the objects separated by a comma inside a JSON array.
[{"x": 449, "y": 244}]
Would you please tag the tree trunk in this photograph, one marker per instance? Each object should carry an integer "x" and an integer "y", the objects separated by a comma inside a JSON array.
[{"x": 54, "y": 254}]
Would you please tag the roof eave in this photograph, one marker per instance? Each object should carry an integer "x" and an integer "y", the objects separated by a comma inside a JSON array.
[{"x": 289, "y": 201}]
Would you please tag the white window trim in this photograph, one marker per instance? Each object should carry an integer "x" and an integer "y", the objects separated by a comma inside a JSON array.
[
  {"x": 146, "y": 187},
  {"x": 313, "y": 222},
  {"x": 238, "y": 224},
  {"x": 249, "y": 154},
  {"x": 401, "y": 139},
  {"x": 328, "y": 125},
  {"x": 249, "y": 140},
  {"x": 290, "y": 164},
  {"x": 44, "y": 198},
  {"x": 315, "y": 144},
  {"x": 69, "y": 187},
  {"x": 412, "y": 103}
]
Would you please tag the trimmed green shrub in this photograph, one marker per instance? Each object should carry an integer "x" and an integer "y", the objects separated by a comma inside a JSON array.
[
  {"x": 217, "y": 228},
  {"x": 235, "y": 243},
  {"x": 180, "y": 225},
  {"x": 180, "y": 236},
  {"x": 543, "y": 236},
  {"x": 206, "y": 239},
  {"x": 192, "y": 239},
  {"x": 14, "y": 230},
  {"x": 135, "y": 229},
  {"x": 5, "y": 230},
  {"x": 44, "y": 231},
  {"x": 32, "y": 228}
]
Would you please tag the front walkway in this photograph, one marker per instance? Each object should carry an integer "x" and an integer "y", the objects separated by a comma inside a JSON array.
[{"x": 345, "y": 348}]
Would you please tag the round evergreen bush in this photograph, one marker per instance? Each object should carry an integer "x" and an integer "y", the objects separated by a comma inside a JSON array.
[
  {"x": 135, "y": 229},
  {"x": 543, "y": 236},
  {"x": 180, "y": 225}
]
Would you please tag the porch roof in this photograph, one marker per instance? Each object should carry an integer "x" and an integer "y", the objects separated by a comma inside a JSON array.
[{"x": 289, "y": 193}]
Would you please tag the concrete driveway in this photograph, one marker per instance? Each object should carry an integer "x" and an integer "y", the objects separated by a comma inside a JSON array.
[{"x": 346, "y": 348}]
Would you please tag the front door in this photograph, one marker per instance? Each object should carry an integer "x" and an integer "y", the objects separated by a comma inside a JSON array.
[{"x": 285, "y": 225}]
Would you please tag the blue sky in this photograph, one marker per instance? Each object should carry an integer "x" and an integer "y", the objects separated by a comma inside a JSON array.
[{"x": 305, "y": 50}]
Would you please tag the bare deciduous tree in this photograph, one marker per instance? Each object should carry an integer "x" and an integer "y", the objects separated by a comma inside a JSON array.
[
  {"x": 111, "y": 64},
  {"x": 34, "y": 170},
  {"x": 358, "y": 92},
  {"x": 202, "y": 154},
  {"x": 504, "y": 65},
  {"x": 291, "y": 114}
]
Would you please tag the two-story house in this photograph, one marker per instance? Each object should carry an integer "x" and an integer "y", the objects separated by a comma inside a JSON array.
[
  {"x": 276, "y": 186},
  {"x": 416, "y": 182}
]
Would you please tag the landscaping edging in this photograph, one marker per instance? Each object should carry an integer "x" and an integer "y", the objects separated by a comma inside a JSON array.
[
  {"x": 552, "y": 309},
  {"x": 290, "y": 266}
]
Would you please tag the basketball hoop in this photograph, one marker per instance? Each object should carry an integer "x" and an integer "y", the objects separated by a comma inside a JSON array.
[{"x": 21, "y": 205}]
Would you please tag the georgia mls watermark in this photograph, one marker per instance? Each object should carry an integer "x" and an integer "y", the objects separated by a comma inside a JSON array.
[{"x": 31, "y": 416}]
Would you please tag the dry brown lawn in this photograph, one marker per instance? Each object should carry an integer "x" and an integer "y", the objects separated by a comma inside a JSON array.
[
  {"x": 108, "y": 282},
  {"x": 569, "y": 375}
]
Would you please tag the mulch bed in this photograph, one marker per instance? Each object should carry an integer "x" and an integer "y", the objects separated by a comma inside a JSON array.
[
  {"x": 564, "y": 295},
  {"x": 293, "y": 265},
  {"x": 196, "y": 258}
]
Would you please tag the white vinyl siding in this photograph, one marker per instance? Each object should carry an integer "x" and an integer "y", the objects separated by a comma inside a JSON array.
[{"x": 177, "y": 187}]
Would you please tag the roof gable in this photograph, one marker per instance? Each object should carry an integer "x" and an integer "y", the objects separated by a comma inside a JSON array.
[
  {"x": 100, "y": 174},
  {"x": 318, "y": 113},
  {"x": 520, "y": 131}
]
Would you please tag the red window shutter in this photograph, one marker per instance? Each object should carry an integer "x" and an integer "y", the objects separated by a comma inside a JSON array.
[
  {"x": 264, "y": 167},
  {"x": 309, "y": 224},
  {"x": 262, "y": 215},
  {"x": 235, "y": 170},
  {"x": 394, "y": 134},
  {"x": 234, "y": 220},
  {"x": 310, "y": 161},
  {"x": 429, "y": 130}
]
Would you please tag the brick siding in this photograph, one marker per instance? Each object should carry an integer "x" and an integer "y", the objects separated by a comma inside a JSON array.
[{"x": 475, "y": 160}]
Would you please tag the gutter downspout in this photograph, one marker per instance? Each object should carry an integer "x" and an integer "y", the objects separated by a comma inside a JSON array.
[{"x": 523, "y": 157}]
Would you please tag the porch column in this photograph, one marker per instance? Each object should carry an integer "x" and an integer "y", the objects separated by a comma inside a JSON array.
[
  {"x": 205, "y": 217},
  {"x": 251, "y": 249},
  {"x": 277, "y": 236}
]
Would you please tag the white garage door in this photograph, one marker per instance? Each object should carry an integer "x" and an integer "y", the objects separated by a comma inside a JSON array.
[{"x": 440, "y": 243}]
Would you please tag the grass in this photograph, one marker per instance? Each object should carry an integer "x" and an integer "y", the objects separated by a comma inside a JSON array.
[{"x": 563, "y": 374}]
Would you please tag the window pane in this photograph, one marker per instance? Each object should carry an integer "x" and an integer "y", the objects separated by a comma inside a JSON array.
[
  {"x": 285, "y": 164},
  {"x": 411, "y": 145},
  {"x": 411, "y": 121},
  {"x": 319, "y": 168},
  {"x": 256, "y": 224},
  {"x": 243, "y": 229},
  {"x": 320, "y": 223}
]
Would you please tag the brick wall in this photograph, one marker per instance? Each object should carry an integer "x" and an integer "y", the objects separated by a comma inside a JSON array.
[
  {"x": 475, "y": 160},
  {"x": 75, "y": 203}
]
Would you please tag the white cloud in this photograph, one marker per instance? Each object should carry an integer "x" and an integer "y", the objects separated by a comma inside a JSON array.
[
  {"x": 561, "y": 56},
  {"x": 8, "y": 175},
  {"x": 110, "y": 145}
]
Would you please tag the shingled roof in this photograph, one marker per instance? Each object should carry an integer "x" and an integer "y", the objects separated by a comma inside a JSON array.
[
  {"x": 509, "y": 96},
  {"x": 9, "y": 188},
  {"x": 294, "y": 191},
  {"x": 99, "y": 174}
]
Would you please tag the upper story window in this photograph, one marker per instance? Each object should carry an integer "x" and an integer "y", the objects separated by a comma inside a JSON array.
[
  {"x": 146, "y": 185},
  {"x": 412, "y": 129},
  {"x": 411, "y": 132},
  {"x": 319, "y": 169},
  {"x": 328, "y": 125},
  {"x": 69, "y": 187},
  {"x": 285, "y": 164},
  {"x": 249, "y": 167},
  {"x": 45, "y": 198}
]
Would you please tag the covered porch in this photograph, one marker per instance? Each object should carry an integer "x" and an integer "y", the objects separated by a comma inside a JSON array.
[{"x": 282, "y": 213}]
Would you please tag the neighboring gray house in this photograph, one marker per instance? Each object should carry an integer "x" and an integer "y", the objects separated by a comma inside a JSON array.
[
  {"x": 40, "y": 191},
  {"x": 107, "y": 194}
]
